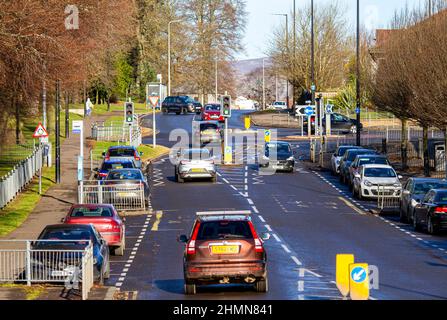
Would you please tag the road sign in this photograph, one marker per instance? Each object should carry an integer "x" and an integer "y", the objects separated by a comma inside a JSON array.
[
  {"x": 309, "y": 111},
  {"x": 329, "y": 109},
  {"x": 357, "y": 110},
  {"x": 313, "y": 87},
  {"x": 128, "y": 112},
  {"x": 342, "y": 272},
  {"x": 77, "y": 126},
  {"x": 226, "y": 106},
  {"x": 267, "y": 135},
  {"x": 154, "y": 100},
  {"x": 228, "y": 156},
  {"x": 359, "y": 281},
  {"x": 40, "y": 132},
  {"x": 247, "y": 123}
]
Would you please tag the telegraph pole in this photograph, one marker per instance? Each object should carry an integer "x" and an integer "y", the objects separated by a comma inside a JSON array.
[
  {"x": 57, "y": 133},
  {"x": 312, "y": 52},
  {"x": 358, "y": 76}
]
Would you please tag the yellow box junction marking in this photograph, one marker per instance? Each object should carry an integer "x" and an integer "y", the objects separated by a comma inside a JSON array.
[
  {"x": 343, "y": 261},
  {"x": 359, "y": 281}
]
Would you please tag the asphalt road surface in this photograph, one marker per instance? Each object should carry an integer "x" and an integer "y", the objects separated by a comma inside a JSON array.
[{"x": 311, "y": 218}]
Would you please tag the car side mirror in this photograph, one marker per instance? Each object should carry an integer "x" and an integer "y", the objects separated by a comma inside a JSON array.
[
  {"x": 357, "y": 175},
  {"x": 265, "y": 236},
  {"x": 103, "y": 154},
  {"x": 400, "y": 177},
  {"x": 406, "y": 192},
  {"x": 182, "y": 239}
]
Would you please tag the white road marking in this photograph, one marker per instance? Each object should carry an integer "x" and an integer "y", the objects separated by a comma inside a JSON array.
[
  {"x": 268, "y": 227},
  {"x": 285, "y": 248},
  {"x": 261, "y": 218},
  {"x": 255, "y": 209},
  {"x": 233, "y": 187},
  {"x": 276, "y": 237},
  {"x": 295, "y": 259},
  {"x": 250, "y": 201},
  {"x": 300, "y": 286},
  {"x": 225, "y": 180}
]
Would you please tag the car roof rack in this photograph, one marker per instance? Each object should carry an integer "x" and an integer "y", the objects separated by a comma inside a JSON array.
[{"x": 224, "y": 213}]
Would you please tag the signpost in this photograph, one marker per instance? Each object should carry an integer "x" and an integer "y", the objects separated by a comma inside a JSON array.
[
  {"x": 40, "y": 133},
  {"x": 267, "y": 135},
  {"x": 329, "y": 112},
  {"x": 359, "y": 281},
  {"x": 343, "y": 261},
  {"x": 78, "y": 128}
]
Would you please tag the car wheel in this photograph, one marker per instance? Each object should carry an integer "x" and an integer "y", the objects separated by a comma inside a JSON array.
[
  {"x": 178, "y": 113},
  {"x": 180, "y": 179},
  {"x": 262, "y": 286},
  {"x": 190, "y": 288},
  {"x": 165, "y": 111},
  {"x": 402, "y": 215},
  {"x": 430, "y": 227},
  {"x": 416, "y": 225},
  {"x": 119, "y": 251}
]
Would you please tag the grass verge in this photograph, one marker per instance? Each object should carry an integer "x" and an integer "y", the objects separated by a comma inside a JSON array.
[{"x": 31, "y": 292}]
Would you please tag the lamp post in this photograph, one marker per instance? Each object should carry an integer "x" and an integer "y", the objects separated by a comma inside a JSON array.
[
  {"x": 358, "y": 76},
  {"x": 263, "y": 84},
  {"x": 287, "y": 48},
  {"x": 169, "y": 54},
  {"x": 312, "y": 52}
]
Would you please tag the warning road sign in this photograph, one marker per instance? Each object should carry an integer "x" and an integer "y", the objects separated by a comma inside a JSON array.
[{"x": 40, "y": 132}]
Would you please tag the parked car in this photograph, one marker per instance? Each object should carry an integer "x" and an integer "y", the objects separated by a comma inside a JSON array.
[
  {"x": 348, "y": 158},
  {"x": 371, "y": 177},
  {"x": 180, "y": 105},
  {"x": 105, "y": 219},
  {"x": 195, "y": 164},
  {"x": 107, "y": 165},
  {"x": 211, "y": 112},
  {"x": 431, "y": 213},
  {"x": 71, "y": 236},
  {"x": 277, "y": 156},
  {"x": 130, "y": 181},
  {"x": 209, "y": 132},
  {"x": 413, "y": 193},
  {"x": 279, "y": 105},
  {"x": 338, "y": 155},
  {"x": 124, "y": 153},
  {"x": 339, "y": 123},
  {"x": 363, "y": 159},
  {"x": 224, "y": 247}
]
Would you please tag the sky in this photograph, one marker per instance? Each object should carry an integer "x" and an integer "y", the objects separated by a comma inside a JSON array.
[{"x": 373, "y": 14}]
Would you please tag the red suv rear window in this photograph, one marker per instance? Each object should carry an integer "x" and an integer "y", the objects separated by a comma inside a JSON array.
[{"x": 218, "y": 230}]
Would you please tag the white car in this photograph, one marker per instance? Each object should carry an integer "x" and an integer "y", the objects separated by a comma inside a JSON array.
[
  {"x": 338, "y": 155},
  {"x": 372, "y": 177},
  {"x": 279, "y": 105},
  {"x": 195, "y": 164}
]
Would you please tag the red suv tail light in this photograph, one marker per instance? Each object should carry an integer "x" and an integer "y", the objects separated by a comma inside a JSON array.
[
  {"x": 191, "y": 245},
  {"x": 136, "y": 156},
  {"x": 107, "y": 156},
  {"x": 441, "y": 210},
  {"x": 258, "y": 242}
]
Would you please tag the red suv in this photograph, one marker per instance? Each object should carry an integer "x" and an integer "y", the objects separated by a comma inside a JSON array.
[
  {"x": 224, "y": 248},
  {"x": 211, "y": 111}
]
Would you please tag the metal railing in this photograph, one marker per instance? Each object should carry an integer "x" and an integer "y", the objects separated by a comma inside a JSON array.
[
  {"x": 112, "y": 132},
  {"x": 125, "y": 196},
  {"x": 34, "y": 261},
  {"x": 387, "y": 200},
  {"x": 22, "y": 174}
]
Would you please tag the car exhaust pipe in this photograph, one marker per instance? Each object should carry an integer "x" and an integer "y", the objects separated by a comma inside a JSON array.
[
  {"x": 225, "y": 280},
  {"x": 250, "y": 279}
]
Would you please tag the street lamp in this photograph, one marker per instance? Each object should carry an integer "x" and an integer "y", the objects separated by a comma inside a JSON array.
[
  {"x": 287, "y": 48},
  {"x": 169, "y": 54},
  {"x": 263, "y": 84}
]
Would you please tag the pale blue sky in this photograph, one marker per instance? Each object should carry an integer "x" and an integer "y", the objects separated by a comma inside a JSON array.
[{"x": 374, "y": 14}]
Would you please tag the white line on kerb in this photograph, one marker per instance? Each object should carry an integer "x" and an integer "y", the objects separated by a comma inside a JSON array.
[{"x": 261, "y": 218}]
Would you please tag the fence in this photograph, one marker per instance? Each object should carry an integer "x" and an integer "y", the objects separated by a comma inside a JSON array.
[
  {"x": 119, "y": 133},
  {"x": 125, "y": 196},
  {"x": 22, "y": 174},
  {"x": 34, "y": 261},
  {"x": 387, "y": 201}
]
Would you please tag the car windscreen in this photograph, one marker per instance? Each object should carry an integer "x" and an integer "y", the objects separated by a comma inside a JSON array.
[
  {"x": 212, "y": 107},
  {"x": 125, "y": 175},
  {"x": 122, "y": 152},
  {"x": 118, "y": 165},
  {"x": 91, "y": 212},
  {"x": 214, "y": 230},
  {"x": 65, "y": 235},
  {"x": 380, "y": 173},
  {"x": 352, "y": 154},
  {"x": 374, "y": 160},
  {"x": 342, "y": 151},
  {"x": 196, "y": 154},
  {"x": 424, "y": 187},
  {"x": 277, "y": 148},
  {"x": 208, "y": 126}
]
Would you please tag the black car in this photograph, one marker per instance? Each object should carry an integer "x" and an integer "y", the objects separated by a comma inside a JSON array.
[
  {"x": 348, "y": 158},
  {"x": 339, "y": 123},
  {"x": 70, "y": 236},
  {"x": 431, "y": 213},
  {"x": 180, "y": 105},
  {"x": 413, "y": 192},
  {"x": 277, "y": 156}
]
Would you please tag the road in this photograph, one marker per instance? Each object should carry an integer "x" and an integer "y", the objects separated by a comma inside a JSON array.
[{"x": 311, "y": 217}]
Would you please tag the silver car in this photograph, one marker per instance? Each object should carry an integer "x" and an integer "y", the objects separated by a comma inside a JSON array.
[{"x": 195, "y": 164}]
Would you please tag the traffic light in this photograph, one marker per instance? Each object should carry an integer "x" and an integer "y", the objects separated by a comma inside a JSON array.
[
  {"x": 226, "y": 106},
  {"x": 128, "y": 112}
]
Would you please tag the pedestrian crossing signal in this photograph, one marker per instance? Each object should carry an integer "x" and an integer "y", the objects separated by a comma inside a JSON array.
[{"x": 226, "y": 106}]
